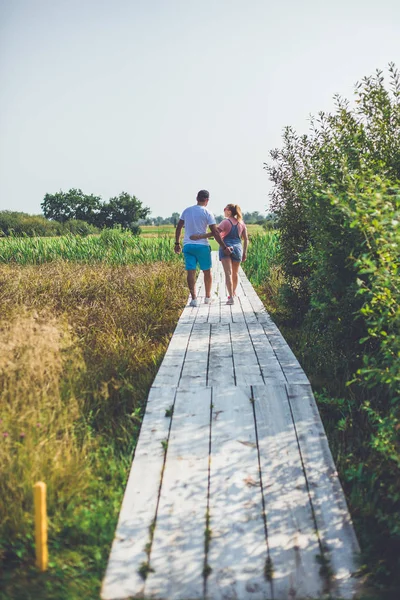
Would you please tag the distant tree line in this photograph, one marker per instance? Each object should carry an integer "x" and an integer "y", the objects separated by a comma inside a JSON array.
[
  {"x": 77, "y": 213},
  {"x": 82, "y": 214},
  {"x": 123, "y": 210},
  {"x": 248, "y": 217}
]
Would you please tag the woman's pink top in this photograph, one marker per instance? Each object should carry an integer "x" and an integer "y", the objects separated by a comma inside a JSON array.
[{"x": 225, "y": 226}]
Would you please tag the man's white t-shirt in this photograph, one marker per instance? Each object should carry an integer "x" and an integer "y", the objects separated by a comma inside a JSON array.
[{"x": 197, "y": 219}]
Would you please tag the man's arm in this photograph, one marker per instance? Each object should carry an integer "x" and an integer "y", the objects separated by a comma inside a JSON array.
[
  {"x": 201, "y": 236},
  {"x": 178, "y": 230},
  {"x": 217, "y": 237}
]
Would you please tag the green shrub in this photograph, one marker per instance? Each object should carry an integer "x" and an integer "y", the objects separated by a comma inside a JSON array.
[
  {"x": 337, "y": 199},
  {"x": 19, "y": 224}
]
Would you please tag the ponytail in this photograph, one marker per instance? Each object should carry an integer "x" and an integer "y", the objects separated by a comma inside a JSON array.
[{"x": 236, "y": 211}]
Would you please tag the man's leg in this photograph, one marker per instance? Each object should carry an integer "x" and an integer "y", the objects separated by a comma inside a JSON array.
[
  {"x": 204, "y": 258},
  {"x": 191, "y": 281},
  {"x": 208, "y": 282},
  {"x": 190, "y": 266}
]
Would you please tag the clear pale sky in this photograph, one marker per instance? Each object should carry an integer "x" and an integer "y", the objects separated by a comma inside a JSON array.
[{"x": 161, "y": 98}]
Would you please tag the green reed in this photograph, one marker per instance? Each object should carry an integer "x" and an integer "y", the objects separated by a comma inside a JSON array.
[
  {"x": 113, "y": 247},
  {"x": 262, "y": 255}
]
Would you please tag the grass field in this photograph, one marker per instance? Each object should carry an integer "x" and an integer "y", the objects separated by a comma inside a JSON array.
[
  {"x": 84, "y": 325},
  {"x": 111, "y": 246},
  {"x": 79, "y": 347}
]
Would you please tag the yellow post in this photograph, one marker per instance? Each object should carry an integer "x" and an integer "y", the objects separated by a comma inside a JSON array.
[{"x": 41, "y": 525}]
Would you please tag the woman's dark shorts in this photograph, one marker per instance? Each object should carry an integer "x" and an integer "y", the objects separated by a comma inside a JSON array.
[{"x": 236, "y": 255}]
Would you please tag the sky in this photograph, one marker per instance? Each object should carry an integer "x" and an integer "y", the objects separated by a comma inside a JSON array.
[{"x": 162, "y": 98}]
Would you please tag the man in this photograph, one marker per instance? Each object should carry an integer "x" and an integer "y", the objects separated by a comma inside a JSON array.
[{"x": 195, "y": 219}]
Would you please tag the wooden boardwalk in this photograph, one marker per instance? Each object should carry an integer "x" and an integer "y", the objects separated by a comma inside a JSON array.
[{"x": 233, "y": 493}]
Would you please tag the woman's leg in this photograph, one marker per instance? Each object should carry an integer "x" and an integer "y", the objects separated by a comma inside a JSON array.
[
  {"x": 235, "y": 275},
  {"x": 227, "y": 264}
]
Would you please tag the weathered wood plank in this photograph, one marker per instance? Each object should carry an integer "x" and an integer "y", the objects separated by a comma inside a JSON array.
[
  {"x": 203, "y": 310},
  {"x": 214, "y": 315},
  {"x": 286, "y": 358},
  {"x": 226, "y": 313},
  {"x": 194, "y": 371},
  {"x": 292, "y": 538},
  {"x": 122, "y": 578},
  {"x": 237, "y": 312},
  {"x": 170, "y": 370},
  {"x": 247, "y": 369},
  {"x": 333, "y": 519},
  {"x": 270, "y": 367},
  {"x": 247, "y": 309},
  {"x": 177, "y": 553},
  {"x": 237, "y": 546},
  {"x": 220, "y": 366}
]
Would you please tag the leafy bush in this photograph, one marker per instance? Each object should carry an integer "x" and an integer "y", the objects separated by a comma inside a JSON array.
[
  {"x": 76, "y": 227},
  {"x": 19, "y": 224},
  {"x": 337, "y": 199}
]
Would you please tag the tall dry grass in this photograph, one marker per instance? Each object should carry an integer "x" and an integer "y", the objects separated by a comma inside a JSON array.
[
  {"x": 39, "y": 410},
  {"x": 79, "y": 347}
]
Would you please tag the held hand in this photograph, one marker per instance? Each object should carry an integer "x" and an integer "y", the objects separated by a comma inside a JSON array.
[{"x": 228, "y": 250}]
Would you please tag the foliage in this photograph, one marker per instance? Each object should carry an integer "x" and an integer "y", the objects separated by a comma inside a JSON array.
[
  {"x": 19, "y": 224},
  {"x": 262, "y": 256},
  {"x": 73, "y": 204},
  {"x": 74, "y": 375},
  {"x": 336, "y": 196},
  {"x": 372, "y": 208},
  {"x": 123, "y": 210}
]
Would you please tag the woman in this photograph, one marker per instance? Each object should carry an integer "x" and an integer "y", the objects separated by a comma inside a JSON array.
[{"x": 232, "y": 230}]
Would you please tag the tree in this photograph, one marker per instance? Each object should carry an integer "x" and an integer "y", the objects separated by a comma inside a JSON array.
[
  {"x": 73, "y": 204},
  {"x": 123, "y": 210},
  {"x": 253, "y": 217},
  {"x": 175, "y": 218}
]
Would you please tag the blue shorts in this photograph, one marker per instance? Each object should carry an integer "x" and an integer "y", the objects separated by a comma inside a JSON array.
[{"x": 197, "y": 253}]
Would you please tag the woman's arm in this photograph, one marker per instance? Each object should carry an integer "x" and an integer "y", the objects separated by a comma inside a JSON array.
[{"x": 245, "y": 238}]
